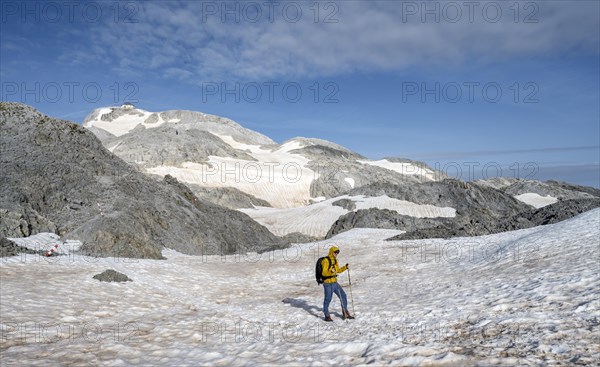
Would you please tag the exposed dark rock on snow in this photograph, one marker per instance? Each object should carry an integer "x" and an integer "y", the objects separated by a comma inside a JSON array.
[
  {"x": 460, "y": 195},
  {"x": 562, "y": 210},
  {"x": 57, "y": 176},
  {"x": 110, "y": 275},
  {"x": 480, "y": 210},
  {"x": 381, "y": 218},
  {"x": 345, "y": 203},
  {"x": 229, "y": 197},
  {"x": 559, "y": 190},
  {"x": 297, "y": 237},
  {"x": 316, "y": 148},
  {"x": 553, "y": 213}
]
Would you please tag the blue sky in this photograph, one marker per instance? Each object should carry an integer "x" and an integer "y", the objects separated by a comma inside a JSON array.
[{"x": 465, "y": 86}]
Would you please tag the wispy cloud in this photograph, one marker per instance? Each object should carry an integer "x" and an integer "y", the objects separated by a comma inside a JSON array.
[{"x": 368, "y": 36}]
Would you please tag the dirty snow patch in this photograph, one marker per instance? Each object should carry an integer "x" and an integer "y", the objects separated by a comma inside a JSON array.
[{"x": 536, "y": 200}]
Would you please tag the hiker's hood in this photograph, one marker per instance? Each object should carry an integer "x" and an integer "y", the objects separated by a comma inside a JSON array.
[{"x": 332, "y": 250}]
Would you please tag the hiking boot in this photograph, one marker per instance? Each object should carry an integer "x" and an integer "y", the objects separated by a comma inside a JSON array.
[
  {"x": 347, "y": 315},
  {"x": 328, "y": 318}
]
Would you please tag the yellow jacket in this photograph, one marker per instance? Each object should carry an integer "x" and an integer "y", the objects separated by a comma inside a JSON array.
[{"x": 330, "y": 266}]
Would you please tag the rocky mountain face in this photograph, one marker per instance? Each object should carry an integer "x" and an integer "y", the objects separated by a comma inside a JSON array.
[
  {"x": 207, "y": 152},
  {"x": 118, "y": 121},
  {"x": 481, "y": 209},
  {"x": 58, "y": 177},
  {"x": 341, "y": 170},
  {"x": 476, "y": 206},
  {"x": 180, "y": 169},
  {"x": 226, "y": 164},
  {"x": 550, "y": 214},
  {"x": 559, "y": 190},
  {"x": 166, "y": 146}
]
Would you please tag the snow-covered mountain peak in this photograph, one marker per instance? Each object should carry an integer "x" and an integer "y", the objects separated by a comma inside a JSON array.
[
  {"x": 210, "y": 151},
  {"x": 322, "y": 145},
  {"x": 121, "y": 120}
]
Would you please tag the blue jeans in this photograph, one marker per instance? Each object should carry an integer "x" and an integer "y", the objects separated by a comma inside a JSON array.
[{"x": 330, "y": 289}]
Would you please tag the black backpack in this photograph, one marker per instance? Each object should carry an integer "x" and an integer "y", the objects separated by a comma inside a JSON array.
[{"x": 319, "y": 270}]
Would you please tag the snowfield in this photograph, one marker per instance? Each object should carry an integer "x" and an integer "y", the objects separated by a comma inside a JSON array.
[
  {"x": 316, "y": 219},
  {"x": 404, "y": 168},
  {"x": 124, "y": 124},
  {"x": 528, "y": 297},
  {"x": 278, "y": 176},
  {"x": 536, "y": 200}
]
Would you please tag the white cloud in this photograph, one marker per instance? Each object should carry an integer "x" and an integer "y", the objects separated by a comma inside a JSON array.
[{"x": 369, "y": 36}]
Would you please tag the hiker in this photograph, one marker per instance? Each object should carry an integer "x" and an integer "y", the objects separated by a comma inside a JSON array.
[{"x": 331, "y": 285}]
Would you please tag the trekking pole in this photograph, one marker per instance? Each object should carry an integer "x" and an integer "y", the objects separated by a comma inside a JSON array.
[{"x": 351, "y": 298}]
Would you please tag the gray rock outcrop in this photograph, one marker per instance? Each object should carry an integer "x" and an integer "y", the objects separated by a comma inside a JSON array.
[
  {"x": 481, "y": 209},
  {"x": 23, "y": 221},
  {"x": 462, "y": 196},
  {"x": 559, "y": 190},
  {"x": 167, "y": 145},
  {"x": 478, "y": 207},
  {"x": 562, "y": 210},
  {"x": 381, "y": 218},
  {"x": 229, "y": 197},
  {"x": 9, "y": 248},
  {"x": 57, "y": 176},
  {"x": 345, "y": 203},
  {"x": 335, "y": 164},
  {"x": 110, "y": 275},
  {"x": 550, "y": 214},
  {"x": 297, "y": 237}
]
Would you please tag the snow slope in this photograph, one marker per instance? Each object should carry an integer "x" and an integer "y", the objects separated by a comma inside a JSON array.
[
  {"x": 123, "y": 124},
  {"x": 527, "y": 297},
  {"x": 45, "y": 241},
  {"x": 278, "y": 176},
  {"x": 316, "y": 219},
  {"x": 536, "y": 200},
  {"x": 404, "y": 168}
]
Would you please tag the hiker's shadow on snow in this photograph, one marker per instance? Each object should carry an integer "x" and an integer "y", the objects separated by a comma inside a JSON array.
[{"x": 311, "y": 309}]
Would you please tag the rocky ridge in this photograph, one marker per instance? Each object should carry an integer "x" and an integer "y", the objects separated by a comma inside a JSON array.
[
  {"x": 58, "y": 177},
  {"x": 480, "y": 209},
  {"x": 183, "y": 138}
]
